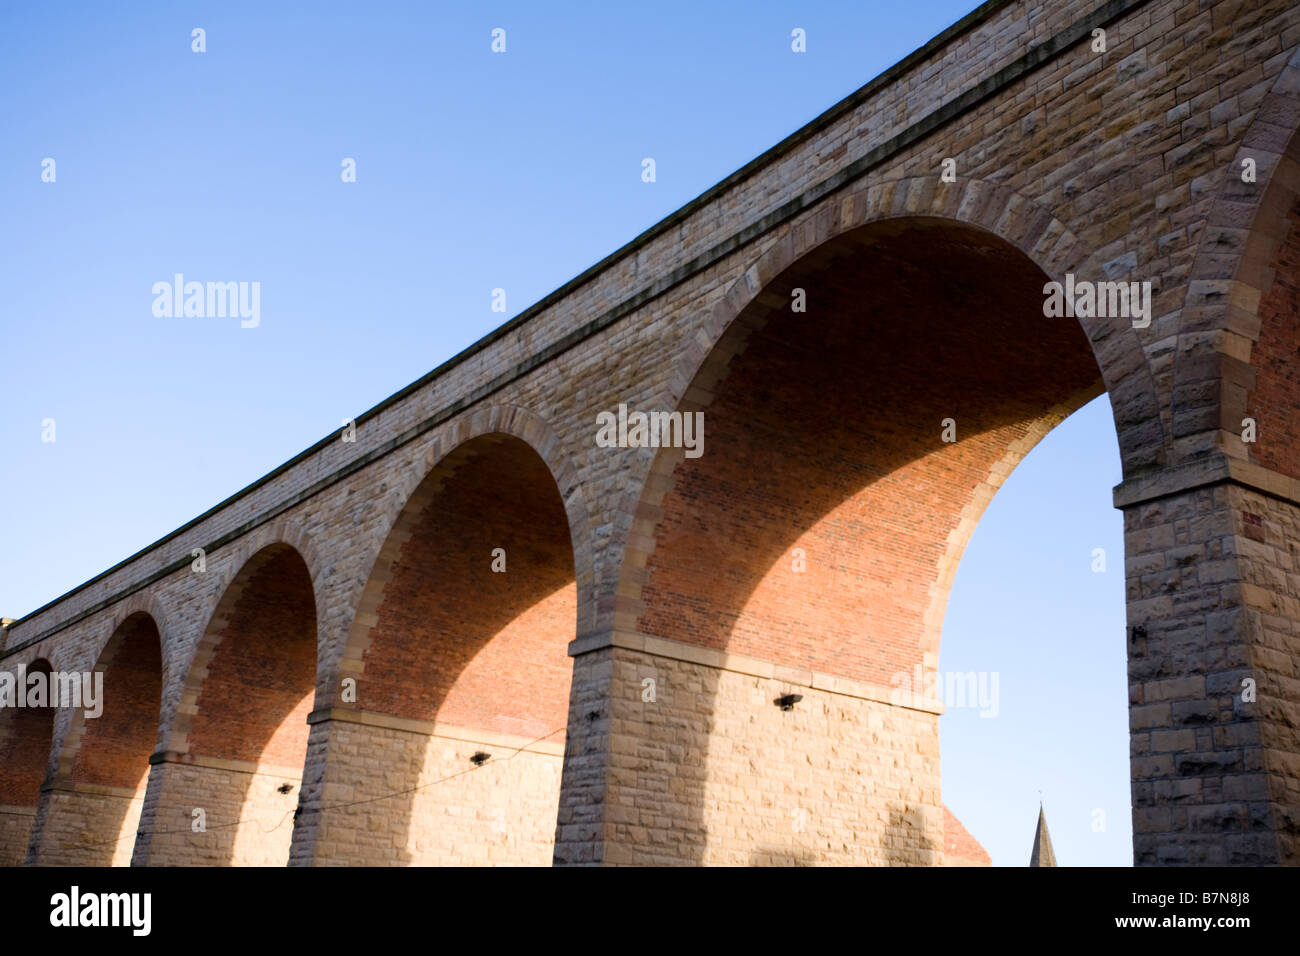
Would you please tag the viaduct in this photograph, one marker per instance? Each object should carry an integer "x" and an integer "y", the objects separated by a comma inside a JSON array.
[{"x": 345, "y": 679}]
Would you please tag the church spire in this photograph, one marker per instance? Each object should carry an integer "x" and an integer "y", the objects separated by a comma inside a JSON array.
[{"x": 1041, "y": 854}]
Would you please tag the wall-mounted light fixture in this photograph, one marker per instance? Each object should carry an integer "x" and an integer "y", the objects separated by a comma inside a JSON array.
[
  {"x": 788, "y": 701},
  {"x": 480, "y": 758}
]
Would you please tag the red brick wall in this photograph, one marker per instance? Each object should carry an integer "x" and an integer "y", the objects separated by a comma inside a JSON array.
[
  {"x": 114, "y": 748},
  {"x": 825, "y": 435},
  {"x": 260, "y": 682},
  {"x": 959, "y": 847},
  {"x": 1276, "y": 396},
  {"x": 455, "y": 641},
  {"x": 25, "y": 735}
]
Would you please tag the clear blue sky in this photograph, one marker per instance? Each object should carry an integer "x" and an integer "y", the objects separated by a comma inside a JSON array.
[{"x": 475, "y": 171}]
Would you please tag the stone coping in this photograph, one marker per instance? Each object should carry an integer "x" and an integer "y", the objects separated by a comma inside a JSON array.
[{"x": 744, "y": 664}]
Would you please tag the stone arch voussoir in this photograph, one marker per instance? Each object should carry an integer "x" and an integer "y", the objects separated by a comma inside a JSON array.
[{"x": 1231, "y": 272}]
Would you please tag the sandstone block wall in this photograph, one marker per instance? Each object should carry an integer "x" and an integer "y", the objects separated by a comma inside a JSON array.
[
  {"x": 1268, "y": 536},
  {"x": 1211, "y": 596},
  {"x": 247, "y": 820},
  {"x": 15, "y": 833},
  {"x": 712, "y": 770},
  {"x": 1123, "y": 165},
  {"x": 399, "y": 795},
  {"x": 90, "y": 826}
]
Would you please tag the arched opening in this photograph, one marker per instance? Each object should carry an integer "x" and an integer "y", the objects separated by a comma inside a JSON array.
[
  {"x": 459, "y": 649},
  {"x": 230, "y": 783},
  {"x": 25, "y": 737},
  {"x": 98, "y": 794},
  {"x": 1035, "y": 695},
  {"x": 851, "y": 449}
]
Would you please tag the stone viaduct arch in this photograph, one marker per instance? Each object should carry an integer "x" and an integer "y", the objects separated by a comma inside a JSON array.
[
  {"x": 234, "y": 757},
  {"x": 434, "y": 680},
  {"x": 26, "y": 736},
  {"x": 831, "y": 548},
  {"x": 1122, "y": 165},
  {"x": 92, "y": 809}
]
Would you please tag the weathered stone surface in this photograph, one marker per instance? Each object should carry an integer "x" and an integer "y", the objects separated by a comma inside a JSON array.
[{"x": 924, "y": 303}]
